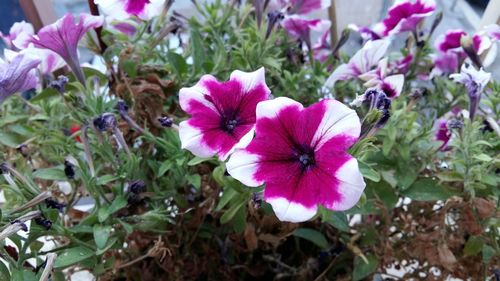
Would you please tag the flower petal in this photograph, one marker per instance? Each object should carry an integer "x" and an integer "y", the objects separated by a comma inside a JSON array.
[
  {"x": 337, "y": 119},
  {"x": 291, "y": 211},
  {"x": 350, "y": 187},
  {"x": 243, "y": 166},
  {"x": 393, "y": 85}
]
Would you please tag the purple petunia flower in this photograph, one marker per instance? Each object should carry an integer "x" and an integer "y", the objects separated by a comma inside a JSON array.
[
  {"x": 124, "y": 9},
  {"x": 474, "y": 82},
  {"x": 406, "y": 15},
  {"x": 18, "y": 75},
  {"x": 300, "y": 154},
  {"x": 222, "y": 113},
  {"x": 19, "y": 35},
  {"x": 63, "y": 36},
  {"x": 49, "y": 61},
  {"x": 300, "y": 28},
  {"x": 362, "y": 62}
]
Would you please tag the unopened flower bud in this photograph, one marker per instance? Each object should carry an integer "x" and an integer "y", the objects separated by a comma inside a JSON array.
[
  {"x": 59, "y": 84},
  {"x": 53, "y": 204},
  {"x": 105, "y": 122},
  {"x": 455, "y": 124},
  {"x": 166, "y": 122},
  {"x": 137, "y": 186}
]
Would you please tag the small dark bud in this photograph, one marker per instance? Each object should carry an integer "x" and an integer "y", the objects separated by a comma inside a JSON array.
[
  {"x": 53, "y": 204},
  {"x": 43, "y": 222},
  {"x": 121, "y": 106},
  {"x": 105, "y": 121},
  {"x": 417, "y": 93},
  {"x": 4, "y": 169},
  {"x": 273, "y": 17},
  {"x": 166, "y": 122},
  {"x": 137, "y": 186},
  {"x": 59, "y": 84},
  {"x": 455, "y": 124},
  {"x": 69, "y": 170},
  {"x": 24, "y": 227},
  {"x": 23, "y": 149}
]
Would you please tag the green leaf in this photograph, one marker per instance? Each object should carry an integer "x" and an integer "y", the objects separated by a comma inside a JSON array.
[
  {"x": 362, "y": 269},
  {"x": 130, "y": 67},
  {"x": 117, "y": 204},
  {"x": 23, "y": 275},
  {"x": 450, "y": 176},
  {"x": 4, "y": 272},
  {"x": 473, "y": 246},
  {"x": 11, "y": 139},
  {"x": 72, "y": 256},
  {"x": 384, "y": 192},
  {"x": 197, "y": 160},
  {"x": 488, "y": 253},
  {"x": 368, "y": 172},
  {"x": 235, "y": 207},
  {"x": 101, "y": 235},
  {"x": 227, "y": 196},
  {"x": 427, "y": 190},
  {"x": 483, "y": 157},
  {"x": 312, "y": 235},
  {"x": 165, "y": 166},
  {"x": 45, "y": 94},
  {"x": 339, "y": 221},
  {"x": 197, "y": 50},
  {"x": 195, "y": 180},
  {"x": 50, "y": 174},
  {"x": 106, "y": 179},
  {"x": 178, "y": 63}
]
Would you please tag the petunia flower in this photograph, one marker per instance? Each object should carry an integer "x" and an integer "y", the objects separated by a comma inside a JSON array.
[
  {"x": 493, "y": 31},
  {"x": 365, "y": 32},
  {"x": 443, "y": 133},
  {"x": 300, "y": 28},
  {"x": 474, "y": 82},
  {"x": 300, "y": 7},
  {"x": 406, "y": 15},
  {"x": 403, "y": 65},
  {"x": 124, "y": 9},
  {"x": 49, "y": 61},
  {"x": 362, "y": 62},
  {"x": 63, "y": 36},
  {"x": 391, "y": 85},
  {"x": 17, "y": 75},
  {"x": 222, "y": 113},
  {"x": 322, "y": 49},
  {"x": 19, "y": 35},
  {"x": 300, "y": 154}
]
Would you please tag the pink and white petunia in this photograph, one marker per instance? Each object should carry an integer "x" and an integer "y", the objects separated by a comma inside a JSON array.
[
  {"x": 442, "y": 133},
  {"x": 450, "y": 40},
  {"x": 19, "y": 35},
  {"x": 406, "y": 15},
  {"x": 322, "y": 49},
  {"x": 300, "y": 7},
  {"x": 300, "y": 154},
  {"x": 391, "y": 85},
  {"x": 124, "y": 9},
  {"x": 63, "y": 36},
  {"x": 365, "y": 32},
  {"x": 362, "y": 62},
  {"x": 300, "y": 28},
  {"x": 493, "y": 31},
  {"x": 17, "y": 75},
  {"x": 222, "y": 113}
]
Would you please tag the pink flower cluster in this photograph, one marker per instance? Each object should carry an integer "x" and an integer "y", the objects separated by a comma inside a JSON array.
[
  {"x": 300, "y": 27},
  {"x": 299, "y": 153}
]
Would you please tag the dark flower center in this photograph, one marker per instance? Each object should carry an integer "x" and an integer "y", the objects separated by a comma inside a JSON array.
[
  {"x": 228, "y": 125},
  {"x": 305, "y": 156}
]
